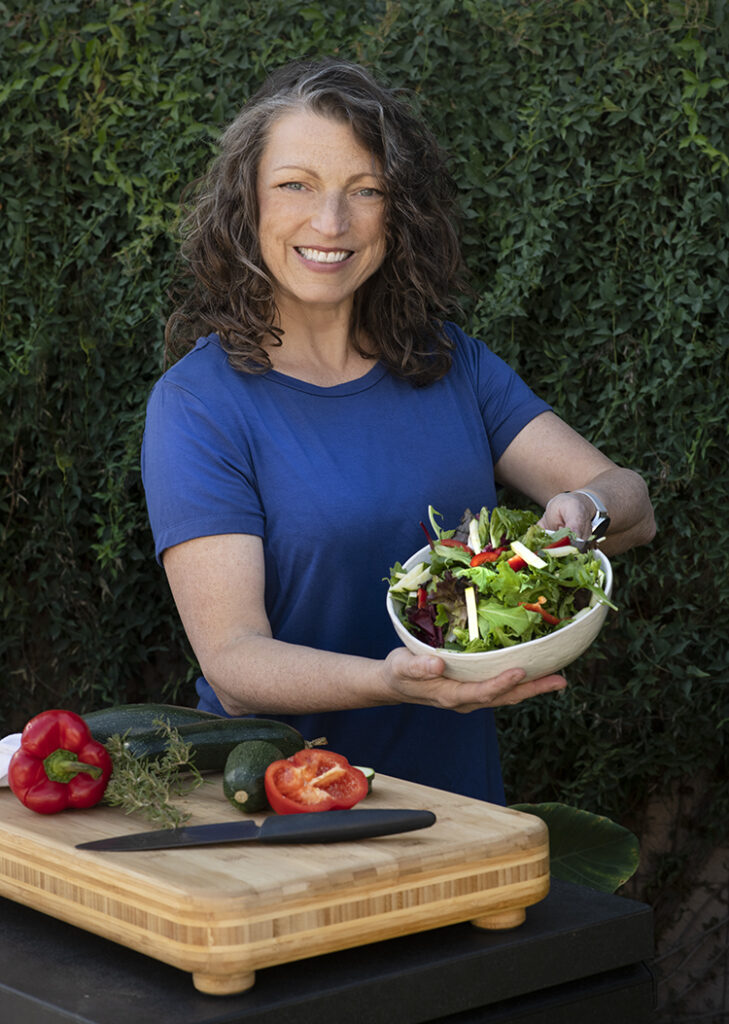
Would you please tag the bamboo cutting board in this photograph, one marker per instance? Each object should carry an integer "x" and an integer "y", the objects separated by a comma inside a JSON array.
[{"x": 223, "y": 912}]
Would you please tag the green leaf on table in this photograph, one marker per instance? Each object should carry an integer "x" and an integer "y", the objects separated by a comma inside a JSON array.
[{"x": 586, "y": 848}]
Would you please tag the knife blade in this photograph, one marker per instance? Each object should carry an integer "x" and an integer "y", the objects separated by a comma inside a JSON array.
[{"x": 316, "y": 827}]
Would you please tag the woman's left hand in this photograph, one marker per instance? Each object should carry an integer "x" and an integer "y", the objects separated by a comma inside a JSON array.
[
  {"x": 548, "y": 461},
  {"x": 571, "y": 510}
]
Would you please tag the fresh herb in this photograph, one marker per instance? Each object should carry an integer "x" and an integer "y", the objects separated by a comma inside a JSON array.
[{"x": 150, "y": 787}]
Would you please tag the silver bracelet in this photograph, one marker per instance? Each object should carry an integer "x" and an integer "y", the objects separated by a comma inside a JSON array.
[{"x": 601, "y": 519}]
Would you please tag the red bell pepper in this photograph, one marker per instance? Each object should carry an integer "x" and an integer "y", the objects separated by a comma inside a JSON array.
[
  {"x": 451, "y": 542},
  {"x": 313, "y": 780},
  {"x": 486, "y": 556},
  {"x": 59, "y": 764},
  {"x": 547, "y": 616},
  {"x": 561, "y": 543},
  {"x": 422, "y": 597}
]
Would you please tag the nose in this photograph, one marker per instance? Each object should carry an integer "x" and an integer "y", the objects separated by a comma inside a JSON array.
[{"x": 331, "y": 216}]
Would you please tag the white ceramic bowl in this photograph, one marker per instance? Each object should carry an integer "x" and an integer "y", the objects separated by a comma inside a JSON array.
[{"x": 538, "y": 658}]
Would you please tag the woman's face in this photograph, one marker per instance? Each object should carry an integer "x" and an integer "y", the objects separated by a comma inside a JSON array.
[{"x": 321, "y": 213}]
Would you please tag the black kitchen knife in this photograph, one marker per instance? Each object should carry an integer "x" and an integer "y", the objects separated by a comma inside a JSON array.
[{"x": 316, "y": 827}]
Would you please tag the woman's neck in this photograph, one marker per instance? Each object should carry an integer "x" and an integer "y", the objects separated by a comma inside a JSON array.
[{"x": 319, "y": 350}]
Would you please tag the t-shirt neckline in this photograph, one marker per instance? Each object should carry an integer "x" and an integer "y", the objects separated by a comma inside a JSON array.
[{"x": 349, "y": 387}]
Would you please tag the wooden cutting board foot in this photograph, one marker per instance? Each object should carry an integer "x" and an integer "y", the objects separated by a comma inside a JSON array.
[
  {"x": 223, "y": 984},
  {"x": 501, "y": 919}
]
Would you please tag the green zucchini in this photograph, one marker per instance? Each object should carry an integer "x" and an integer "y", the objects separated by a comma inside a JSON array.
[
  {"x": 212, "y": 742},
  {"x": 369, "y": 774},
  {"x": 243, "y": 776},
  {"x": 138, "y": 718}
]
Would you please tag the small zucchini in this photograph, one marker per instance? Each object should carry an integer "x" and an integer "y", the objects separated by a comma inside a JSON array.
[
  {"x": 244, "y": 773},
  {"x": 212, "y": 742},
  {"x": 369, "y": 774},
  {"x": 140, "y": 718}
]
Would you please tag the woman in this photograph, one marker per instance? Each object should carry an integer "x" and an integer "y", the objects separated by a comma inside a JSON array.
[{"x": 289, "y": 457}]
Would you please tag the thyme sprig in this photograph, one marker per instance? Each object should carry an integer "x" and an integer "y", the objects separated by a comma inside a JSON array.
[{"x": 149, "y": 787}]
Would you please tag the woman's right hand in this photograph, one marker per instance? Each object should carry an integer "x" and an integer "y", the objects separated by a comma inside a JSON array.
[
  {"x": 418, "y": 679},
  {"x": 218, "y": 585}
]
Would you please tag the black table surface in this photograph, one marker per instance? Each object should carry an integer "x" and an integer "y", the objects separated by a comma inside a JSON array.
[{"x": 577, "y": 948}]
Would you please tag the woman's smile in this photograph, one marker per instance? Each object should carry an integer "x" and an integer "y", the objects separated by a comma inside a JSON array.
[
  {"x": 321, "y": 213},
  {"x": 324, "y": 256}
]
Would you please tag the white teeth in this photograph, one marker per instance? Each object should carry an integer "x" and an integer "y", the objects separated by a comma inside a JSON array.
[{"x": 323, "y": 257}]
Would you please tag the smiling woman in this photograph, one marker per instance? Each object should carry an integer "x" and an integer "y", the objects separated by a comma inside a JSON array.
[
  {"x": 327, "y": 402},
  {"x": 322, "y": 125},
  {"x": 321, "y": 231}
]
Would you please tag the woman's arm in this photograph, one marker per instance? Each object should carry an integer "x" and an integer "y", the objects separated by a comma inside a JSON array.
[
  {"x": 218, "y": 585},
  {"x": 548, "y": 461}
]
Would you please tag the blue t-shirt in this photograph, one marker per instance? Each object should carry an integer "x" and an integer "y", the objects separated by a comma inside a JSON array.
[{"x": 336, "y": 481}]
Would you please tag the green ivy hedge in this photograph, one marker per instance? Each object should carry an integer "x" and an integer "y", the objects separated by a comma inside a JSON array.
[{"x": 591, "y": 142}]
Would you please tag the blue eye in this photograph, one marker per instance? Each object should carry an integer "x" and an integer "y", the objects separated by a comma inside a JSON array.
[{"x": 293, "y": 186}]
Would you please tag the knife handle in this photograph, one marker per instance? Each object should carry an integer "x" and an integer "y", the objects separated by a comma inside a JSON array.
[{"x": 340, "y": 826}]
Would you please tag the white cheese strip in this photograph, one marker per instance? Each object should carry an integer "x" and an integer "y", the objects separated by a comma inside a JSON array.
[
  {"x": 413, "y": 579},
  {"x": 568, "y": 549},
  {"x": 472, "y": 613},
  {"x": 529, "y": 557}
]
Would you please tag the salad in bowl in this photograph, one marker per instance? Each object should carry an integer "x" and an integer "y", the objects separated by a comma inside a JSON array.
[{"x": 499, "y": 592}]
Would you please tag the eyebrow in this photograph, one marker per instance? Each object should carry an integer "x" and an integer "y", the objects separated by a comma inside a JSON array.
[{"x": 313, "y": 173}]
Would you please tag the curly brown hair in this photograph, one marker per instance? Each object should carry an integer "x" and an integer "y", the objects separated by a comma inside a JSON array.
[{"x": 225, "y": 286}]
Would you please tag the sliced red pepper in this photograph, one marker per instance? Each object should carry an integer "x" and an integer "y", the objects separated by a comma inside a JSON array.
[
  {"x": 547, "y": 616},
  {"x": 451, "y": 542},
  {"x": 516, "y": 562},
  {"x": 59, "y": 764},
  {"x": 486, "y": 556},
  {"x": 561, "y": 543},
  {"x": 313, "y": 780},
  {"x": 422, "y": 597}
]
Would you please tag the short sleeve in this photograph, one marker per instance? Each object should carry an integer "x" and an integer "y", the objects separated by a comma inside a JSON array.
[
  {"x": 198, "y": 480},
  {"x": 506, "y": 402}
]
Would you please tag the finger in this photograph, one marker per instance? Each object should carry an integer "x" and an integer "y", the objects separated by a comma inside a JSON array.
[
  {"x": 487, "y": 691},
  {"x": 534, "y": 688},
  {"x": 562, "y": 510},
  {"x": 412, "y": 677},
  {"x": 506, "y": 689},
  {"x": 423, "y": 666},
  {"x": 566, "y": 510}
]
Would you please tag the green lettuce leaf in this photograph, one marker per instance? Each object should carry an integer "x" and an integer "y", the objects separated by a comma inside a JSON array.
[{"x": 509, "y": 522}]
